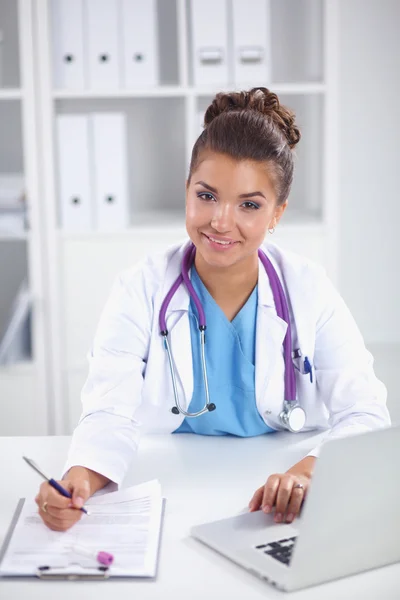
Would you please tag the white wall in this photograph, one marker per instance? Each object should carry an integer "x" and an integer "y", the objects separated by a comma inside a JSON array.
[{"x": 369, "y": 114}]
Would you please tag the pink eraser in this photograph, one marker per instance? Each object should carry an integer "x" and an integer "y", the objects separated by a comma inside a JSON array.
[{"x": 105, "y": 558}]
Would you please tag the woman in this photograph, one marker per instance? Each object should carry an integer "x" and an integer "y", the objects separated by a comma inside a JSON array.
[{"x": 239, "y": 181}]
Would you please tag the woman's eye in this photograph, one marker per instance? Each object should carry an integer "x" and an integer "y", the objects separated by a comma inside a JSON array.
[
  {"x": 205, "y": 196},
  {"x": 251, "y": 205}
]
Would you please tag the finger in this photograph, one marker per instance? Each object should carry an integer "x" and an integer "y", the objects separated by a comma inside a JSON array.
[
  {"x": 61, "y": 513},
  {"x": 53, "y": 497},
  {"x": 283, "y": 496},
  {"x": 80, "y": 493},
  {"x": 270, "y": 491},
  {"x": 58, "y": 523},
  {"x": 296, "y": 500},
  {"x": 255, "y": 502}
]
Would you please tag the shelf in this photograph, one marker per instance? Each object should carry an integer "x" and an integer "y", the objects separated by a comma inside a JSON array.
[
  {"x": 160, "y": 224},
  {"x": 17, "y": 370},
  {"x": 11, "y": 94},
  {"x": 278, "y": 88},
  {"x": 146, "y": 227},
  {"x": 182, "y": 92},
  {"x": 157, "y": 92},
  {"x": 5, "y": 237}
]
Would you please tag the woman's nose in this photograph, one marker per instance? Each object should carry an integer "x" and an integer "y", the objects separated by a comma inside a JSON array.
[{"x": 223, "y": 218}]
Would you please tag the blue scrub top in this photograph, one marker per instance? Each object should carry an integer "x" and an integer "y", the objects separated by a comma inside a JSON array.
[{"x": 230, "y": 362}]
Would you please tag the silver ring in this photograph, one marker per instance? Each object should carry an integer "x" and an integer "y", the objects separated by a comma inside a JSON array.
[
  {"x": 44, "y": 507},
  {"x": 298, "y": 485}
]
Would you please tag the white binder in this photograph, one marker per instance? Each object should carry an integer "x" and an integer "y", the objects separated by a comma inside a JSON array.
[
  {"x": 67, "y": 44},
  {"x": 103, "y": 54},
  {"x": 209, "y": 42},
  {"x": 251, "y": 42},
  {"x": 109, "y": 160},
  {"x": 74, "y": 172},
  {"x": 140, "y": 43}
]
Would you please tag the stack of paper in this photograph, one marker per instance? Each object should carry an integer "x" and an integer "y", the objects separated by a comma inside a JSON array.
[{"x": 126, "y": 523}]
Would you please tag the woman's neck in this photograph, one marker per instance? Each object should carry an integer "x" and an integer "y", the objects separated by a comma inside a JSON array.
[{"x": 235, "y": 282}]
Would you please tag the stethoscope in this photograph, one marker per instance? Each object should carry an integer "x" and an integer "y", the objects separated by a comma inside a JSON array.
[{"x": 293, "y": 416}]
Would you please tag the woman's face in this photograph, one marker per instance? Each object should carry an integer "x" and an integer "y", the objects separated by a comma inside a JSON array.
[{"x": 230, "y": 204}]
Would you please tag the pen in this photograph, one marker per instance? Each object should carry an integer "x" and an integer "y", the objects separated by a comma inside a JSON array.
[{"x": 51, "y": 481}]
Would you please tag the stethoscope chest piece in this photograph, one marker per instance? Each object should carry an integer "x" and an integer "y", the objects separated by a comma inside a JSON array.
[{"x": 293, "y": 417}]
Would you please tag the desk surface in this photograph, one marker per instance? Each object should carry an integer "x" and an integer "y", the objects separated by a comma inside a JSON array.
[{"x": 203, "y": 478}]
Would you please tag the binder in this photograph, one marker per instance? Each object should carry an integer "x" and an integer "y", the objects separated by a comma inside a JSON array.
[
  {"x": 67, "y": 44},
  {"x": 103, "y": 56},
  {"x": 140, "y": 43},
  {"x": 74, "y": 173},
  {"x": 110, "y": 172},
  {"x": 251, "y": 60},
  {"x": 209, "y": 42}
]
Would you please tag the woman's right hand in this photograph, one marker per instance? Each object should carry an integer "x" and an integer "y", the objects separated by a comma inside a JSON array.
[{"x": 60, "y": 513}]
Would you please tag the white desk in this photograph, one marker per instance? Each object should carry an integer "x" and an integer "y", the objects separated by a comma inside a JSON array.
[{"x": 203, "y": 478}]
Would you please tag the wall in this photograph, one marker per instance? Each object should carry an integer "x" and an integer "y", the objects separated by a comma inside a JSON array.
[{"x": 369, "y": 116}]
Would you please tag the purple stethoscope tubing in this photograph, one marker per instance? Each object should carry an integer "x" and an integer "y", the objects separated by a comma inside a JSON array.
[
  {"x": 281, "y": 309},
  {"x": 183, "y": 277}
]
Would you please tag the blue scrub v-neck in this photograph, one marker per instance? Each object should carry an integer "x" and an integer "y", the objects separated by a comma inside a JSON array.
[{"x": 230, "y": 356}]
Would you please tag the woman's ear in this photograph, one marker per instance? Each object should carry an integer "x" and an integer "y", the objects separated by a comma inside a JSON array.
[{"x": 280, "y": 210}]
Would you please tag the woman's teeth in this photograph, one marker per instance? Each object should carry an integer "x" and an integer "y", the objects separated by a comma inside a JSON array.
[{"x": 220, "y": 242}]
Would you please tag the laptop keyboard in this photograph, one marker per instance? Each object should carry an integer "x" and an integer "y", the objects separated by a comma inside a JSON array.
[{"x": 281, "y": 549}]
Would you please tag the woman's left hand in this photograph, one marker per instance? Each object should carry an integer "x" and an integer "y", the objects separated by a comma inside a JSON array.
[{"x": 285, "y": 491}]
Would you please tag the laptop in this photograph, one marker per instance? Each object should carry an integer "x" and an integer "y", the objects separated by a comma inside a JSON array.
[{"x": 350, "y": 519}]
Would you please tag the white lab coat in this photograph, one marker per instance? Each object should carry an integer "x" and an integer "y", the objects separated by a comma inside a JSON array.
[{"x": 129, "y": 387}]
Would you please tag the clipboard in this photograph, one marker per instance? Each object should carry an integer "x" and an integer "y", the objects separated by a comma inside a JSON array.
[{"x": 54, "y": 573}]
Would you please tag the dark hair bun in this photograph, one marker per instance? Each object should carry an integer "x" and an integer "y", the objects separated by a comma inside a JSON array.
[{"x": 261, "y": 100}]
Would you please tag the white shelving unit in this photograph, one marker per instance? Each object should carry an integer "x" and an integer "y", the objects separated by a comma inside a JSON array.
[
  {"x": 23, "y": 386},
  {"x": 10, "y": 94},
  {"x": 163, "y": 123}
]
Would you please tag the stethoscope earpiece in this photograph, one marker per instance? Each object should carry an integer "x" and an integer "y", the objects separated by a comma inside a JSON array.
[
  {"x": 175, "y": 410},
  {"x": 211, "y": 406}
]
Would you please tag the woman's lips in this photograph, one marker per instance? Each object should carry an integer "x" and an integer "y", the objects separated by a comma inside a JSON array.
[{"x": 219, "y": 243}]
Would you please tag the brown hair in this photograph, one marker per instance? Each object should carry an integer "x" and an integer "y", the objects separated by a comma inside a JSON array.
[{"x": 251, "y": 125}]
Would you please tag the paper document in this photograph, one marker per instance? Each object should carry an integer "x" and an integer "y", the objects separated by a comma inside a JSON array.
[{"x": 126, "y": 523}]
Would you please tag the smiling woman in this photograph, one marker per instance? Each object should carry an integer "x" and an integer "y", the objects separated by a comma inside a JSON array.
[
  {"x": 240, "y": 176},
  {"x": 282, "y": 352}
]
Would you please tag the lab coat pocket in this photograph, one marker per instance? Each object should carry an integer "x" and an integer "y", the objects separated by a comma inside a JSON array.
[
  {"x": 306, "y": 391},
  {"x": 303, "y": 365}
]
